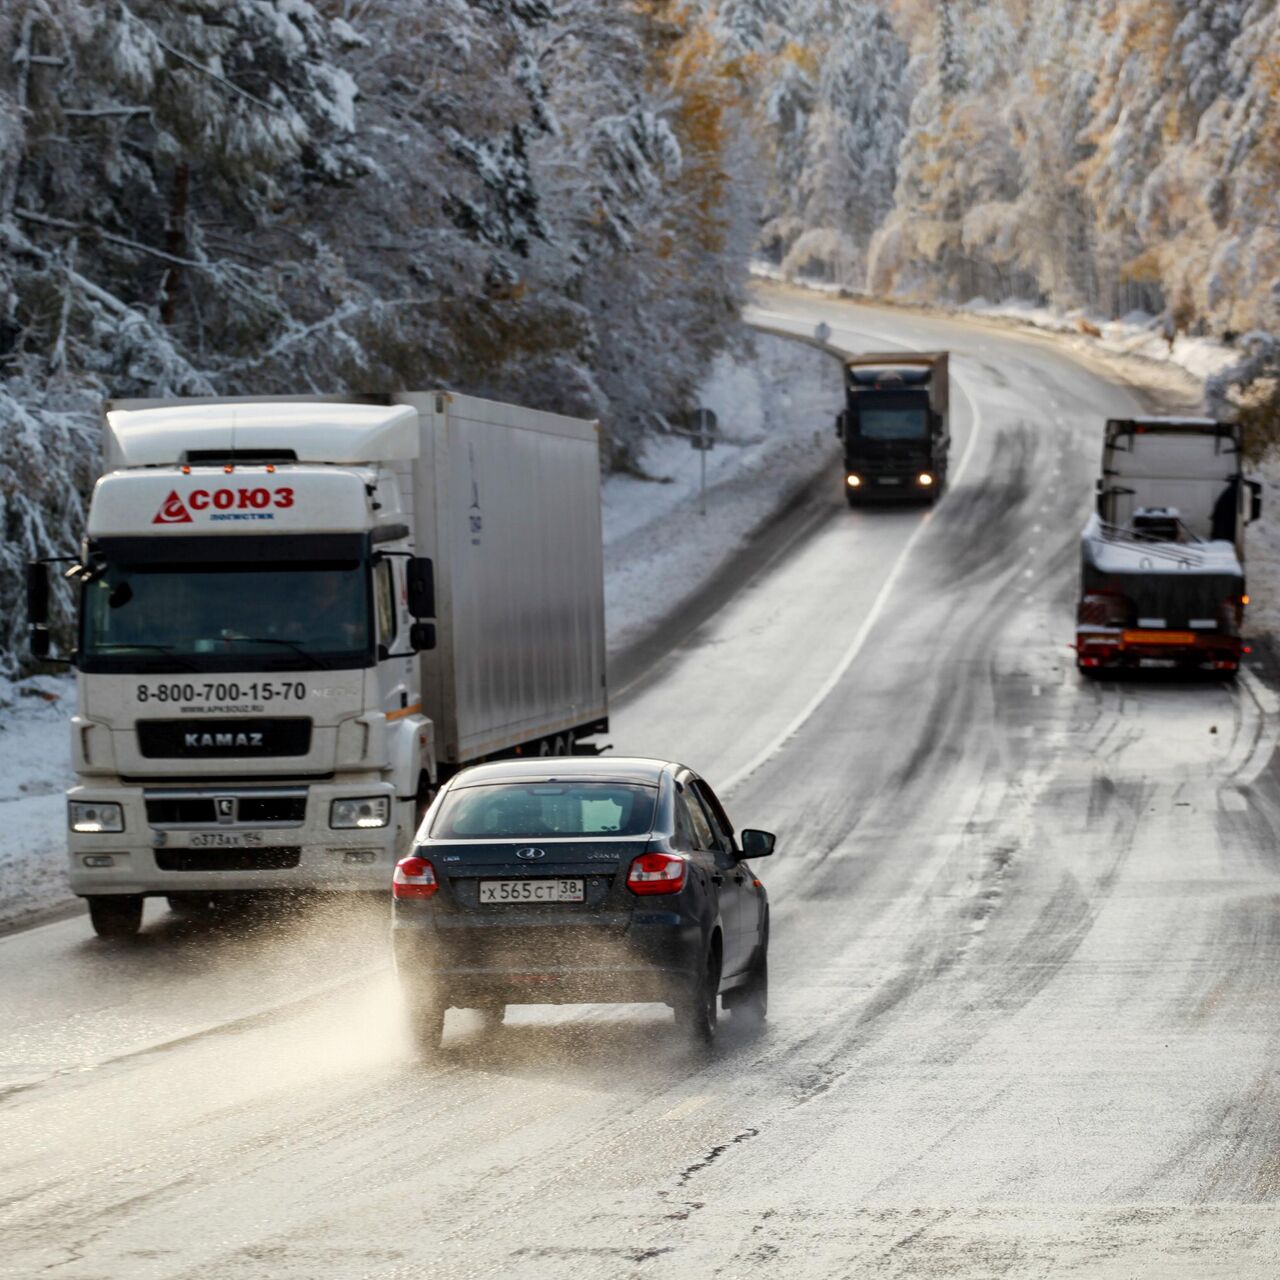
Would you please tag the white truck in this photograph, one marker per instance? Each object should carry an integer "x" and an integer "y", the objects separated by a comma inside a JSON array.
[
  {"x": 297, "y": 616},
  {"x": 1162, "y": 557}
]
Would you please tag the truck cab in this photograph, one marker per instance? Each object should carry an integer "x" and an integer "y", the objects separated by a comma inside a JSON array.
[
  {"x": 895, "y": 426},
  {"x": 248, "y": 712}
]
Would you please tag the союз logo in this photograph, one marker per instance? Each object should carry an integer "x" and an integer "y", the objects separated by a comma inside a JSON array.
[
  {"x": 174, "y": 511},
  {"x": 226, "y": 504}
]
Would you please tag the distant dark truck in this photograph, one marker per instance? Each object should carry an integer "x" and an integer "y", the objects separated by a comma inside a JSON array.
[
  {"x": 1162, "y": 557},
  {"x": 894, "y": 426}
]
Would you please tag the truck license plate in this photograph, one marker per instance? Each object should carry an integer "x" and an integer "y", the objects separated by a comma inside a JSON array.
[
  {"x": 889, "y": 480},
  {"x": 544, "y": 890},
  {"x": 225, "y": 839}
]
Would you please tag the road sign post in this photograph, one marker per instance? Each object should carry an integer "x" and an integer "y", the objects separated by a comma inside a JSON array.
[{"x": 703, "y": 439}]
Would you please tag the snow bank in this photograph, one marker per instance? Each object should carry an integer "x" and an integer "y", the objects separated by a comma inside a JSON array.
[
  {"x": 1136, "y": 334},
  {"x": 35, "y": 770},
  {"x": 775, "y": 416}
]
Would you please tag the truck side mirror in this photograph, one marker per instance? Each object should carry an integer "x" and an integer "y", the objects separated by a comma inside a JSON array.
[
  {"x": 422, "y": 637},
  {"x": 420, "y": 579},
  {"x": 37, "y": 593},
  {"x": 1255, "y": 499}
]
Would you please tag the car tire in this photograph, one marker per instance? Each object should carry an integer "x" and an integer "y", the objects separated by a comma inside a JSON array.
[
  {"x": 852, "y": 498},
  {"x": 426, "y": 1026},
  {"x": 696, "y": 1010},
  {"x": 115, "y": 916}
]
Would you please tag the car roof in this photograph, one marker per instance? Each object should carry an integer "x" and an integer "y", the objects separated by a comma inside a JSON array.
[{"x": 637, "y": 770}]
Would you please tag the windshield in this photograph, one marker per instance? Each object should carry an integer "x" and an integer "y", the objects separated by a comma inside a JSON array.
[
  {"x": 532, "y": 810},
  {"x": 253, "y": 616},
  {"x": 892, "y": 422}
]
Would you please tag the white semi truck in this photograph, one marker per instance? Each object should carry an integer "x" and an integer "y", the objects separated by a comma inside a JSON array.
[
  {"x": 1162, "y": 558},
  {"x": 297, "y": 616}
]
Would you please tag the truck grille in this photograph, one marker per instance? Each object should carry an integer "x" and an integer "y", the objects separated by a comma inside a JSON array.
[
  {"x": 223, "y": 739},
  {"x": 249, "y": 811},
  {"x": 268, "y": 858}
]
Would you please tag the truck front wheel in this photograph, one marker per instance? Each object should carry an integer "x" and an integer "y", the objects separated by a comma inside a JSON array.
[{"x": 117, "y": 915}]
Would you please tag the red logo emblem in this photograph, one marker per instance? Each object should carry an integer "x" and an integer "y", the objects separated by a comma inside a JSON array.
[{"x": 174, "y": 511}]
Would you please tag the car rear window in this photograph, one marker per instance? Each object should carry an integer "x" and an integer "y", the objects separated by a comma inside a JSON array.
[{"x": 521, "y": 810}]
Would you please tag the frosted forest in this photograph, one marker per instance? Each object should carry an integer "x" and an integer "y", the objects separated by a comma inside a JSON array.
[{"x": 558, "y": 201}]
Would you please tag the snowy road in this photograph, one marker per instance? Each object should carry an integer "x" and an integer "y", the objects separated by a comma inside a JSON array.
[{"x": 1026, "y": 954}]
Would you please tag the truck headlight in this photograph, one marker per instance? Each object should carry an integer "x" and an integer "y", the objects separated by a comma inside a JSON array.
[
  {"x": 364, "y": 811},
  {"x": 91, "y": 817}
]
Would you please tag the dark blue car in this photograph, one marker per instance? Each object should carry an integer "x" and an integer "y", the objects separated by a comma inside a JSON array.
[{"x": 581, "y": 880}]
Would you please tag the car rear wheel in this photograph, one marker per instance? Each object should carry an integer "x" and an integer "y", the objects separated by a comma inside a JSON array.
[
  {"x": 696, "y": 1011},
  {"x": 116, "y": 915},
  {"x": 426, "y": 1025}
]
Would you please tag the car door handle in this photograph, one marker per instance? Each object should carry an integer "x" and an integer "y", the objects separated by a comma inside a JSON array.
[
  {"x": 717, "y": 878},
  {"x": 739, "y": 878}
]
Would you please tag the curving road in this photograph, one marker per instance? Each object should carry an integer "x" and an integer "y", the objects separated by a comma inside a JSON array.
[{"x": 1026, "y": 953}]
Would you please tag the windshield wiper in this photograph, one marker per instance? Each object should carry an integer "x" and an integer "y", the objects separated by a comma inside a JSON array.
[
  {"x": 167, "y": 650},
  {"x": 295, "y": 645}
]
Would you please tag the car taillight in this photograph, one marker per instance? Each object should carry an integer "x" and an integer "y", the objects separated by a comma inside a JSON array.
[
  {"x": 414, "y": 878},
  {"x": 657, "y": 873}
]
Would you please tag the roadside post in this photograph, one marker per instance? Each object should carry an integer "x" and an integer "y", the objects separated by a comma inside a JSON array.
[
  {"x": 703, "y": 439},
  {"x": 823, "y": 332}
]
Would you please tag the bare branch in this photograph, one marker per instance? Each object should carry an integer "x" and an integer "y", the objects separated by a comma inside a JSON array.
[
  {"x": 87, "y": 228},
  {"x": 96, "y": 112}
]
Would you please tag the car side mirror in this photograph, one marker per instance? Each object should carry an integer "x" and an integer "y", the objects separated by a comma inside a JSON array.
[
  {"x": 756, "y": 844},
  {"x": 1255, "y": 500},
  {"x": 840, "y": 425},
  {"x": 422, "y": 637},
  {"x": 39, "y": 640}
]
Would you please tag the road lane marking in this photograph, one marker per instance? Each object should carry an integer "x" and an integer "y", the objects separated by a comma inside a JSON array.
[
  {"x": 860, "y": 638},
  {"x": 686, "y": 1108}
]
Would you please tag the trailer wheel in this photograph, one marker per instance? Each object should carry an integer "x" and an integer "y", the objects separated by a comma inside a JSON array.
[{"x": 117, "y": 915}]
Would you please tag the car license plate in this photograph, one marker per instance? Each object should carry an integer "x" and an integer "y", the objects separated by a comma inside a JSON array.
[
  {"x": 543, "y": 890},
  {"x": 225, "y": 839},
  {"x": 889, "y": 480}
]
